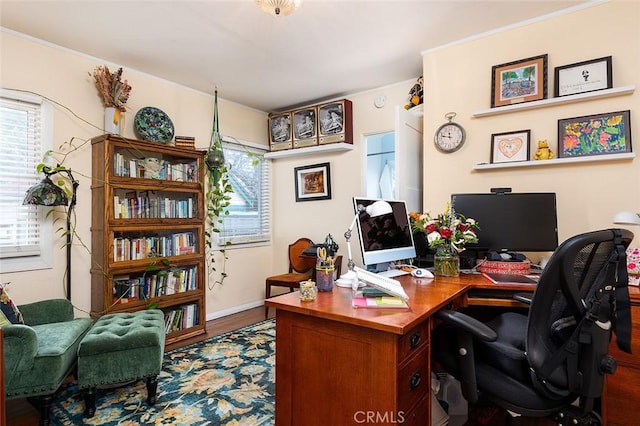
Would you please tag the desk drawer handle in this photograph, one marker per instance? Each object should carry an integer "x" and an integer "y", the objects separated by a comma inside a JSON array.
[
  {"x": 415, "y": 381},
  {"x": 414, "y": 340}
]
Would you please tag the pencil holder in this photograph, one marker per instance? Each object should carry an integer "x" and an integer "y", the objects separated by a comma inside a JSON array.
[{"x": 324, "y": 278}]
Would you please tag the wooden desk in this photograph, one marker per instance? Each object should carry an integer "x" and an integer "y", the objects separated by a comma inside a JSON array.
[{"x": 371, "y": 365}]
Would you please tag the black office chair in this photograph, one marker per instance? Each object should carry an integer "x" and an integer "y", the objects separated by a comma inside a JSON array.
[{"x": 539, "y": 364}]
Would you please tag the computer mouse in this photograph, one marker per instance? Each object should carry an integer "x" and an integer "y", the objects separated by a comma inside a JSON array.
[{"x": 422, "y": 273}]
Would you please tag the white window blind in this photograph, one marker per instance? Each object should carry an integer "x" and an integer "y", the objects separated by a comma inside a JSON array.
[
  {"x": 249, "y": 219},
  {"x": 25, "y": 236}
]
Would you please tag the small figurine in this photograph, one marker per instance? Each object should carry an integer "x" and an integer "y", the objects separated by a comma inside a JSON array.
[
  {"x": 416, "y": 94},
  {"x": 543, "y": 152},
  {"x": 152, "y": 167}
]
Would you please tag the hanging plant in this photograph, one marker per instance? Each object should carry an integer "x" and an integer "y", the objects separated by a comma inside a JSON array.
[{"x": 218, "y": 197}]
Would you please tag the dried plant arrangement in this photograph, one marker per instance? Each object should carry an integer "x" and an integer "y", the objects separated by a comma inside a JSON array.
[{"x": 112, "y": 89}]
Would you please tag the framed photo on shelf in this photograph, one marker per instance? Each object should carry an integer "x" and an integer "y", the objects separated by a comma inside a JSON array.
[
  {"x": 313, "y": 182},
  {"x": 280, "y": 133},
  {"x": 581, "y": 77},
  {"x": 335, "y": 122},
  {"x": 510, "y": 146},
  {"x": 305, "y": 127},
  {"x": 519, "y": 81},
  {"x": 597, "y": 134}
]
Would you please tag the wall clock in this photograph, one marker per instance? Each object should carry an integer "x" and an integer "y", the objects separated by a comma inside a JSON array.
[{"x": 450, "y": 136}]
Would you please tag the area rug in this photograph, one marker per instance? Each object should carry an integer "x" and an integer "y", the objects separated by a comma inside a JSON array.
[{"x": 225, "y": 380}]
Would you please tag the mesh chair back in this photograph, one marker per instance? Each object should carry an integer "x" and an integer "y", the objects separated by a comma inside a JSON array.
[{"x": 572, "y": 312}]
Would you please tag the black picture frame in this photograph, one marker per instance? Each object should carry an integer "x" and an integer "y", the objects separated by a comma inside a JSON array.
[
  {"x": 313, "y": 182},
  {"x": 595, "y": 134},
  {"x": 508, "y": 147},
  {"x": 524, "y": 80},
  {"x": 583, "y": 77}
]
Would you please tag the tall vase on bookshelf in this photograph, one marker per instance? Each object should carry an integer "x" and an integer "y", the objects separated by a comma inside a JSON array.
[{"x": 113, "y": 121}]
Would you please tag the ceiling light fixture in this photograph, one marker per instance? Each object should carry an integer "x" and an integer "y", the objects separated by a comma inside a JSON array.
[{"x": 279, "y": 7}]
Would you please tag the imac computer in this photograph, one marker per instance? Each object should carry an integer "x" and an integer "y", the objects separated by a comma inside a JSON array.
[
  {"x": 384, "y": 239},
  {"x": 511, "y": 222}
]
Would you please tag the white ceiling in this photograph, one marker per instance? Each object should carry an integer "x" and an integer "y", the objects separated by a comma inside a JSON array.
[{"x": 326, "y": 49}]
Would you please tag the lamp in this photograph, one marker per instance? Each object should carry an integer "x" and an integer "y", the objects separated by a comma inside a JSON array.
[
  {"x": 279, "y": 7},
  {"x": 626, "y": 218},
  {"x": 47, "y": 193},
  {"x": 378, "y": 208}
]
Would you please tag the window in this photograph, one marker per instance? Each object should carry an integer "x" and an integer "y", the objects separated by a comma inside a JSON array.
[
  {"x": 26, "y": 236},
  {"x": 248, "y": 220}
]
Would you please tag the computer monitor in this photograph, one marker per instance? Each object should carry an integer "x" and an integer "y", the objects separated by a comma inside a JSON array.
[
  {"x": 387, "y": 238},
  {"x": 511, "y": 222}
]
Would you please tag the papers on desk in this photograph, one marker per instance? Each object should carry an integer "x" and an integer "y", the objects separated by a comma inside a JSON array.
[
  {"x": 510, "y": 278},
  {"x": 382, "y": 302}
]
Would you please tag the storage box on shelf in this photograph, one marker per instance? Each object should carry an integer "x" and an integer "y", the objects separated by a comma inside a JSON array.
[{"x": 147, "y": 232}]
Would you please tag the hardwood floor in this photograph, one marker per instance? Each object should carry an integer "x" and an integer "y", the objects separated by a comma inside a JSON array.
[{"x": 21, "y": 413}]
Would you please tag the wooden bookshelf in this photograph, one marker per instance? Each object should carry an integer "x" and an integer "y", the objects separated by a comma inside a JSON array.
[{"x": 147, "y": 232}]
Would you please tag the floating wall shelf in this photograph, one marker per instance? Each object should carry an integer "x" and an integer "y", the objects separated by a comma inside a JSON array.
[
  {"x": 599, "y": 94},
  {"x": 555, "y": 161},
  {"x": 310, "y": 150}
]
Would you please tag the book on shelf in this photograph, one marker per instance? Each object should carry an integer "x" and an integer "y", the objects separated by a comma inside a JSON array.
[
  {"x": 379, "y": 302},
  {"x": 510, "y": 278}
]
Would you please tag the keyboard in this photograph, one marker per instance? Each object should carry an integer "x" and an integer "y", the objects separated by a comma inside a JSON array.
[
  {"x": 392, "y": 273},
  {"x": 388, "y": 285}
]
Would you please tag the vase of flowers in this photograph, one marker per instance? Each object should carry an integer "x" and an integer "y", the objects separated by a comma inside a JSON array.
[
  {"x": 447, "y": 233},
  {"x": 115, "y": 94}
]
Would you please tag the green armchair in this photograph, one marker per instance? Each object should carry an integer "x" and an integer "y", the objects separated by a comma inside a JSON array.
[{"x": 40, "y": 354}]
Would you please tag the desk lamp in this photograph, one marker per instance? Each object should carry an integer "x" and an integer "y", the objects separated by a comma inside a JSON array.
[
  {"x": 47, "y": 193},
  {"x": 378, "y": 208},
  {"x": 626, "y": 218}
]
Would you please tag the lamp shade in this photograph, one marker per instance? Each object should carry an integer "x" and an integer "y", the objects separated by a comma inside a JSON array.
[
  {"x": 279, "y": 7},
  {"x": 626, "y": 218},
  {"x": 46, "y": 193}
]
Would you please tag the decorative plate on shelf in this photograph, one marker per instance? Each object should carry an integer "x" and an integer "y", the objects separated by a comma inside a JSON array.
[{"x": 153, "y": 125}]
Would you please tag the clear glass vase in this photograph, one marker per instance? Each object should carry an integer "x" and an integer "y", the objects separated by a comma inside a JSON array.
[{"x": 446, "y": 262}]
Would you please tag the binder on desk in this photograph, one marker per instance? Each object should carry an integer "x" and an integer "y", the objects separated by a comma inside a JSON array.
[{"x": 509, "y": 278}]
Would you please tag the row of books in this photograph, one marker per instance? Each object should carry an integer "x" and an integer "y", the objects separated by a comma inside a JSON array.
[
  {"x": 141, "y": 205},
  {"x": 127, "y": 289},
  {"x": 178, "y": 244},
  {"x": 135, "y": 168},
  {"x": 183, "y": 317}
]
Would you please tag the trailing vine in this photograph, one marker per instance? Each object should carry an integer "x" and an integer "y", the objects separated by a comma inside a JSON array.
[{"x": 218, "y": 199}]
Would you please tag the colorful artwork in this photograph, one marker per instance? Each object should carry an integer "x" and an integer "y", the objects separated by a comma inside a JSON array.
[{"x": 595, "y": 134}]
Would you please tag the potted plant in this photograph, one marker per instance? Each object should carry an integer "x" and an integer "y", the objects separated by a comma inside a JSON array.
[{"x": 114, "y": 93}]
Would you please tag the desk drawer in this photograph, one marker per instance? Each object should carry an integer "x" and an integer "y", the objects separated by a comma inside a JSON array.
[
  {"x": 413, "y": 341},
  {"x": 413, "y": 380}
]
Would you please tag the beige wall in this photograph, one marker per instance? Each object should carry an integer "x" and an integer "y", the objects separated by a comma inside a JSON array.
[
  {"x": 459, "y": 79},
  {"x": 63, "y": 76},
  {"x": 456, "y": 78}
]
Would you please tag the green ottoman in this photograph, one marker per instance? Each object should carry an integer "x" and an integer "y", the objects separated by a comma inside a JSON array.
[{"x": 118, "y": 349}]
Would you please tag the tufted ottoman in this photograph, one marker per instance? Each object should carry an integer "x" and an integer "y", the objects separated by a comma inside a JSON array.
[{"x": 121, "y": 348}]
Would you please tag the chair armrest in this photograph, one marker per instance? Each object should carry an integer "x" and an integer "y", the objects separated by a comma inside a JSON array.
[
  {"x": 20, "y": 347},
  {"x": 467, "y": 323},
  {"x": 47, "y": 311}
]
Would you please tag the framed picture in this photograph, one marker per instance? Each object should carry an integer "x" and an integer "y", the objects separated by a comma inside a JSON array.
[
  {"x": 280, "y": 134},
  {"x": 519, "y": 81},
  {"x": 598, "y": 134},
  {"x": 313, "y": 182},
  {"x": 305, "y": 127},
  {"x": 335, "y": 122},
  {"x": 582, "y": 77},
  {"x": 510, "y": 146}
]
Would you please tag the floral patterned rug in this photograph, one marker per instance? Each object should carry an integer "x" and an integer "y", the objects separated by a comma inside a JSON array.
[{"x": 226, "y": 380}]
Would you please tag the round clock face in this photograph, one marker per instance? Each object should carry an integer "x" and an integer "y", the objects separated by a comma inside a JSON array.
[
  {"x": 449, "y": 137},
  {"x": 153, "y": 125}
]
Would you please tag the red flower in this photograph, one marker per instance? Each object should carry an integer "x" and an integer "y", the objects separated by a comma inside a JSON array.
[
  {"x": 446, "y": 233},
  {"x": 431, "y": 227}
]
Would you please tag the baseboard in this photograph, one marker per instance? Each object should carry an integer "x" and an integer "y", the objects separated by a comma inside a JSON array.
[{"x": 234, "y": 310}]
